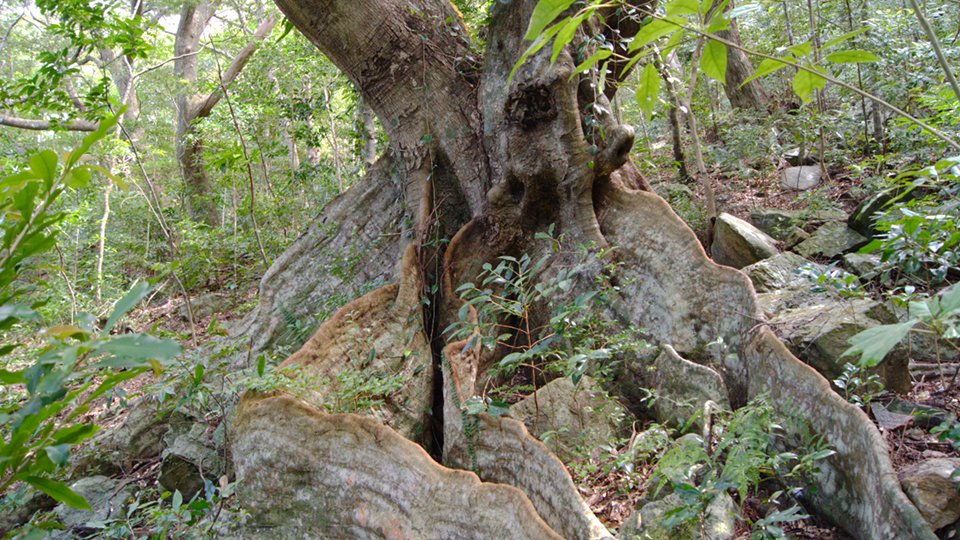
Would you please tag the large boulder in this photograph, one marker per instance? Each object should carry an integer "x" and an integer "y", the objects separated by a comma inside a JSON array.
[
  {"x": 107, "y": 498},
  {"x": 737, "y": 243},
  {"x": 801, "y": 178},
  {"x": 579, "y": 416},
  {"x": 193, "y": 456},
  {"x": 819, "y": 328},
  {"x": 139, "y": 437},
  {"x": 934, "y": 489},
  {"x": 683, "y": 388},
  {"x": 719, "y": 521},
  {"x": 779, "y": 272},
  {"x": 830, "y": 240}
]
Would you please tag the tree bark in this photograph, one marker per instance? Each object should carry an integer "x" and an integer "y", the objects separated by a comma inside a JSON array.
[
  {"x": 479, "y": 166},
  {"x": 751, "y": 95},
  {"x": 192, "y": 107}
]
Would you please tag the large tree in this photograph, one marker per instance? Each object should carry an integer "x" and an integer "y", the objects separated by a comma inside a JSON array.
[{"x": 487, "y": 162}]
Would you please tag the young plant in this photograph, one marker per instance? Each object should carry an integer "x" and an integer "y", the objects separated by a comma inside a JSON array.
[{"x": 43, "y": 419}]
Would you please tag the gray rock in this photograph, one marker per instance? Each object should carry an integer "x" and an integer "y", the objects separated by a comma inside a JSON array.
[
  {"x": 719, "y": 523},
  {"x": 576, "y": 416},
  {"x": 861, "y": 264},
  {"x": 683, "y": 387},
  {"x": 775, "y": 222},
  {"x": 106, "y": 496},
  {"x": 934, "y": 490},
  {"x": 818, "y": 330},
  {"x": 138, "y": 437},
  {"x": 801, "y": 178},
  {"x": 861, "y": 220},
  {"x": 830, "y": 240},
  {"x": 205, "y": 305},
  {"x": 191, "y": 457},
  {"x": 737, "y": 243},
  {"x": 779, "y": 272}
]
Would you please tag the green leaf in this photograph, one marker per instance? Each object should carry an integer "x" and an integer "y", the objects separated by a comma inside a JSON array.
[
  {"x": 59, "y": 454},
  {"x": 78, "y": 178},
  {"x": 564, "y": 36},
  {"x": 600, "y": 55},
  {"x": 74, "y": 434},
  {"x": 718, "y": 23},
  {"x": 534, "y": 47},
  {"x": 873, "y": 344},
  {"x": 59, "y": 492},
  {"x": 852, "y": 57},
  {"x": 681, "y": 7},
  {"x": 805, "y": 82},
  {"x": 654, "y": 31},
  {"x": 841, "y": 39},
  {"x": 950, "y": 300},
  {"x": 801, "y": 49},
  {"x": 647, "y": 90},
  {"x": 44, "y": 165},
  {"x": 543, "y": 14},
  {"x": 133, "y": 350},
  {"x": 768, "y": 66},
  {"x": 713, "y": 61},
  {"x": 10, "y": 377},
  {"x": 137, "y": 293},
  {"x": 105, "y": 126}
]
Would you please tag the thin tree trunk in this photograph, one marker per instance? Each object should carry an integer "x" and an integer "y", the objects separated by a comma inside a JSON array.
[
  {"x": 334, "y": 139},
  {"x": 102, "y": 240},
  {"x": 751, "y": 95}
]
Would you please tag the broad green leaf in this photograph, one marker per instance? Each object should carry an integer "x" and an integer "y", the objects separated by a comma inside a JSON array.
[
  {"x": 654, "y": 31},
  {"x": 63, "y": 332},
  {"x": 565, "y": 35},
  {"x": 647, "y": 90},
  {"x": 543, "y": 14},
  {"x": 132, "y": 350},
  {"x": 10, "y": 377},
  {"x": 950, "y": 300},
  {"x": 105, "y": 126},
  {"x": 841, "y": 39},
  {"x": 599, "y": 56},
  {"x": 713, "y": 61},
  {"x": 873, "y": 344},
  {"x": 74, "y": 434},
  {"x": 59, "y": 454},
  {"x": 177, "y": 501},
  {"x": 920, "y": 310},
  {"x": 768, "y": 66},
  {"x": 681, "y": 7},
  {"x": 852, "y": 57},
  {"x": 78, "y": 178},
  {"x": 745, "y": 9},
  {"x": 718, "y": 23},
  {"x": 801, "y": 49},
  {"x": 44, "y": 165},
  {"x": 805, "y": 82},
  {"x": 59, "y": 491},
  {"x": 137, "y": 293},
  {"x": 534, "y": 47}
]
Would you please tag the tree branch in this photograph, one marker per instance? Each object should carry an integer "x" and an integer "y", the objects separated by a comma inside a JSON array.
[
  {"x": 46, "y": 125},
  {"x": 239, "y": 62}
]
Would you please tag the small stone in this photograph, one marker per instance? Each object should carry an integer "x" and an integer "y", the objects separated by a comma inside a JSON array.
[
  {"x": 801, "y": 178},
  {"x": 830, "y": 240},
  {"x": 737, "y": 243},
  {"x": 934, "y": 490}
]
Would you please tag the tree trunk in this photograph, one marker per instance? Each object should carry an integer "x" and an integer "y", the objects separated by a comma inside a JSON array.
[
  {"x": 191, "y": 107},
  {"x": 480, "y": 167},
  {"x": 742, "y": 96}
]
